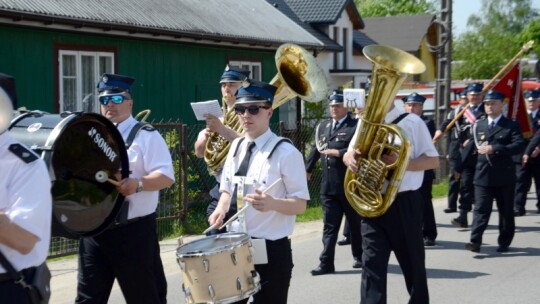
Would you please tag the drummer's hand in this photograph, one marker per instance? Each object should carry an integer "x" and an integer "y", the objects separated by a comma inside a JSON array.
[
  {"x": 216, "y": 218},
  {"x": 128, "y": 186},
  {"x": 260, "y": 201}
]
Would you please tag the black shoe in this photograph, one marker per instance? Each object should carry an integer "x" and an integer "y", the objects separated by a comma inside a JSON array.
[
  {"x": 474, "y": 247},
  {"x": 519, "y": 212},
  {"x": 450, "y": 210},
  {"x": 429, "y": 242},
  {"x": 322, "y": 270},
  {"x": 502, "y": 249},
  {"x": 357, "y": 264},
  {"x": 344, "y": 241},
  {"x": 460, "y": 222}
]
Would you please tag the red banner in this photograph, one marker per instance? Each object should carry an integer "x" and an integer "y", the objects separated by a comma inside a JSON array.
[{"x": 510, "y": 85}]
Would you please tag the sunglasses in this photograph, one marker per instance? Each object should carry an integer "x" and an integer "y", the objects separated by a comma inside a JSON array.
[
  {"x": 253, "y": 110},
  {"x": 116, "y": 99}
]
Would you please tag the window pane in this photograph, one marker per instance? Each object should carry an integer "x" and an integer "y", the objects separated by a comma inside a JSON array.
[
  {"x": 256, "y": 72},
  {"x": 88, "y": 88},
  {"x": 69, "y": 66},
  {"x": 70, "y": 94},
  {"x": 105, "y": 65}
]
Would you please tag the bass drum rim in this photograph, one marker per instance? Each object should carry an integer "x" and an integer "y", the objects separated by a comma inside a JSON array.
[{"x": 47, "y": 153}]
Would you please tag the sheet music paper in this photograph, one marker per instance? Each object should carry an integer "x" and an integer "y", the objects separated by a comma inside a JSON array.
[{"x": 206, "y": 107}]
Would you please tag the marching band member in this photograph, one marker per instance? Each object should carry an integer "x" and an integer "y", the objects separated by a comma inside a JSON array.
[
  {"x": 400, "y": 228},
  {"x": 129, "y": 251},
  {"x": 230, "y": 82},
  {"x": 25, "y": 204},
  {"x": 266, "y": 158}
]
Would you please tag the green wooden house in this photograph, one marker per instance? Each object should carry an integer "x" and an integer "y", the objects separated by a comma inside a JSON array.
[{"x": 176, "y": 49}]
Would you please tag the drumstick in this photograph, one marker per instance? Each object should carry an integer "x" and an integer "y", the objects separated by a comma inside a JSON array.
[
  {"x": 247, "y": 205},
  {"x": 102, "y": 176},
  {"x": 112, "y": 181}
]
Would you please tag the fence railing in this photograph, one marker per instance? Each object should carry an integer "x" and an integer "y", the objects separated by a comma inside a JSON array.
[{"x": 182, "y": 207}]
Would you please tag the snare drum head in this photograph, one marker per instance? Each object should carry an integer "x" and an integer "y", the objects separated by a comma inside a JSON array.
[
  {"x": 77, "y": 148},
  {"x": 212, "y": 244}
]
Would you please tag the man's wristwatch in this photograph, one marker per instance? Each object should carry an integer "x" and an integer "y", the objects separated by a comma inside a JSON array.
[{"x": 139, "y": 186}]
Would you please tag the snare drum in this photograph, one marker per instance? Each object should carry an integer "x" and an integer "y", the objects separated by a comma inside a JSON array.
[{"x": 218, "y": 269}]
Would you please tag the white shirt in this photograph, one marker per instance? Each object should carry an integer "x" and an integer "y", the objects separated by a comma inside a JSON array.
[
  {"x": 26, "y": 200},
  {"x": 496, "y": 120},
  {"x": 148, "y": 153},
  {"x": 418, "y": 134},
  {"x": 286, "y": 163}
]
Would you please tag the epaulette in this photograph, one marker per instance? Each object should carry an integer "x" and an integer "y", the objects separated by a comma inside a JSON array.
[{"x": 23, "y": 153}]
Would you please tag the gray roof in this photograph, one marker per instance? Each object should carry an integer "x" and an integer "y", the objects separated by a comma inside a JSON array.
[
  {"x": 402, "y": 32},
  {"x": 324, "y": 11},
  {"x": 329, "y": 44},
  {"x": 360, "y": 40},
  {"x": 257, "y": 21}
]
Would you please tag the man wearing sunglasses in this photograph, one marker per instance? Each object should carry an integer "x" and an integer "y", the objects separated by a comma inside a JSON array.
[
  {"x": 254, "y": 163},
  {"x": 129, "y": 250},
  {"x": 230, "y": 82}
]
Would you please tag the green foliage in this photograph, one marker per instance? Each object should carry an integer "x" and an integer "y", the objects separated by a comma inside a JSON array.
[
  {"x": 532, "y": 32},
  {"x": 493, "y": 39},
  {"x": 380, "y": 8}
]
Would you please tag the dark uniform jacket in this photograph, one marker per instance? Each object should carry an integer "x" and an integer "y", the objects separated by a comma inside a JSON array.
[
  {"x": 333, "y": 168},
  {"x": 535, "y": 125},
  {"x": 496, "y": 169},
  {"x": 431, "y": 127}
]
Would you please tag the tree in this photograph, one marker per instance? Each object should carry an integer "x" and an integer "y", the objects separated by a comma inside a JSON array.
[
  {"x": 381, "y": 8},
  {"x": 492, "y": 40}
]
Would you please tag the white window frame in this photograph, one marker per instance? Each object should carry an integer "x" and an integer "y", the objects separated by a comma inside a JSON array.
[
  {"x": 79, "y": 79},
  {"x": 249, "y": 65}
]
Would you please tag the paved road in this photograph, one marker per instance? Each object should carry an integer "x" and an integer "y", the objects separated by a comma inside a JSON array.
[{"x": 454, "y": 274}]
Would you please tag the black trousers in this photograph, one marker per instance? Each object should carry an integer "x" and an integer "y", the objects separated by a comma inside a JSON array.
[
  {"x": 10, "y": 292},
  {"x": 398, "y": 230},
  {"x": 524, "y": 177},
  {"x": 483, "y": 206},
  {"x": 128, "y": 253},
  {"x": 453, "y": 187},
  {"x": 430, "y": 226},
  {"x": 334, "y": 206},
  {"x": 466, "y": 198},
  {"x": 276, "y": 275}
]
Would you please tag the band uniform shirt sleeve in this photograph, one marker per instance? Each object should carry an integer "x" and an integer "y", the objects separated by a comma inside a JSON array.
[
  {"x": 26, "y": 200},
  {"x": 148, "y": 153},
  {"x": 286, "y": 163},
  {"x": 417, "y": 132}
]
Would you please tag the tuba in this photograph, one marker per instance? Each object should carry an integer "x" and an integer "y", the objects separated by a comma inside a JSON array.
[
  {"x": 298, "y": 75},
  {"x": 364, "y": 188},
  {"x": 217, "y": 146}
]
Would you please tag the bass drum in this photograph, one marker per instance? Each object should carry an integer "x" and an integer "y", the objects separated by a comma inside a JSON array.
[{"x": 81, "y": 151}]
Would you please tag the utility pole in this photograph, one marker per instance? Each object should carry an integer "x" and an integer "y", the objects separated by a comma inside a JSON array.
[{"x": 444, "y": 62}]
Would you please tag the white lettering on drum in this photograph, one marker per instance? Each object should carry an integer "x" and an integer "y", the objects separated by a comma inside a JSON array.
[{"x": 102, "y": 144}]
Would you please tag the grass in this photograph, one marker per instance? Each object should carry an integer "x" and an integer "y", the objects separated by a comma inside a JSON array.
[{"x": 313, "y": 213}]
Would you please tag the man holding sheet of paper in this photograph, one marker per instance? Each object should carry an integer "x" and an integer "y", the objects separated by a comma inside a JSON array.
[
  {"x": 253, "y": 164},
  {"x": 230, "y": 82}
]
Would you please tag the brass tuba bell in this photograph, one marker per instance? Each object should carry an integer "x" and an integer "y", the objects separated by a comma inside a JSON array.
[
  {"x": 299, "y": 74},
  {"x": 364, "y": 189}
]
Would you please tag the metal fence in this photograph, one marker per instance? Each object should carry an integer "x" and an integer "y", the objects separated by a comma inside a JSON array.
[{"x": 182, "y": 207}]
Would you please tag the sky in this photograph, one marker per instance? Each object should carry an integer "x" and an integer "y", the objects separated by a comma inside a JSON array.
[{"x": 462, "y": 9}]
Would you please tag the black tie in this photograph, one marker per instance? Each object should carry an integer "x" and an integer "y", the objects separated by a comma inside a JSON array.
[
  {"x": 492, "y": 125},
  {"x": 244, "y": 165},
  {"x": 336, "y": 125}
]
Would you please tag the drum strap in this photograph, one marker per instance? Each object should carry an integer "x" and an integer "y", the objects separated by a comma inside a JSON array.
[
  {"x": 122, "y": 216},
  {"x": 135, "y": 130}
]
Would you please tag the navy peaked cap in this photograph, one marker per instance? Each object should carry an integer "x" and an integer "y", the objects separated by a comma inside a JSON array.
[
  {"x": 255, "y": 91},
  {"x": 115, "y": 83},
  {"x": 475, "y": 88},
  {"x": 234, "y": 74},
  {"x": 532, "y": 95},
  {"x": 494, "y": 95},
  {"x": 336, "y": 98},
  {"x": 414, "y": 98}
]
